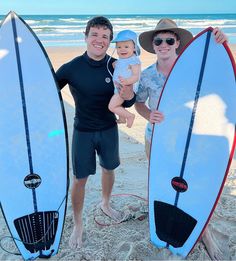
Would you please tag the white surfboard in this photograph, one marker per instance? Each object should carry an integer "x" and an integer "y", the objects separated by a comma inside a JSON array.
[
  {"x": 192, "y": 148},
  {"x": 33, "y": 142}
]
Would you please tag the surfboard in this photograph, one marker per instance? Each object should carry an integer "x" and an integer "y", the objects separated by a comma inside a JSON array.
[
  {"x": 33, "y": 142},
  {"x": 191, "y": 150}
]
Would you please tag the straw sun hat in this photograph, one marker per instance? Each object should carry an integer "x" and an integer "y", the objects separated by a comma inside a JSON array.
[{"x": 146, "y": 38}]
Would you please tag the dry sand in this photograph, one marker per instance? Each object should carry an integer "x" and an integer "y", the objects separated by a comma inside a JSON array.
[{"x": 130, "y": 240}]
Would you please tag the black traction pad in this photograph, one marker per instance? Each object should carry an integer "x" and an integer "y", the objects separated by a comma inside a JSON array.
[
  {"x": 173, "y": 225},
  {"x": 37, "y": 231}
]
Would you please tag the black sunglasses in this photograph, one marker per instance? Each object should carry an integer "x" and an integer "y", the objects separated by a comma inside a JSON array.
[{"x": 158, "y": 41}]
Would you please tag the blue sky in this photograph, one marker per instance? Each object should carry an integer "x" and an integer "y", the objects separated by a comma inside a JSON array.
[{"x": 102, "y": 7}]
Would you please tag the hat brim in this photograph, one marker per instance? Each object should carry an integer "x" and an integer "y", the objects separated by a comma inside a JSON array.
[
  {"x": 124, "y": 39},
  {"x": 146, "y": 38},
  {"x": 121, "y": 39}
]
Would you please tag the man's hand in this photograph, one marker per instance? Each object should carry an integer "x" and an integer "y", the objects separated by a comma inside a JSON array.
[
  {"x": 123, "y": 81},
  {"x": 126, "y": 91},
  {"x": 156, "y": 117}
]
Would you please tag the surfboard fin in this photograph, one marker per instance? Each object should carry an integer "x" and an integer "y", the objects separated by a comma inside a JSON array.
[
  {"x": 37, "y": 231},
  {"x": 173, "y": 225}
]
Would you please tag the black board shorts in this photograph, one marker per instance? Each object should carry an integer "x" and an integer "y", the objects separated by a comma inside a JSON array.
[{"x": 85, "y": 146}]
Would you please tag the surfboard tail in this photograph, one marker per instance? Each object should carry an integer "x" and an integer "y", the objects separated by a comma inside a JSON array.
[
  {"x": 37, "y": 231},
  {"x": 173, "y": 225}
]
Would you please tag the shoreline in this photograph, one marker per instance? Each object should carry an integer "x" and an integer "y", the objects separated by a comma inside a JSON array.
[{"x": 69, "y": 52}]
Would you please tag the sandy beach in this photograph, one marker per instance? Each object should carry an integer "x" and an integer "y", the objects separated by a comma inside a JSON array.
[{"x": 130, "y": 240}]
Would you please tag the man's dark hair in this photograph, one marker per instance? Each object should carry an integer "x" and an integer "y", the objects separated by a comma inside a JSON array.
[{"x": 99, "y": 21}]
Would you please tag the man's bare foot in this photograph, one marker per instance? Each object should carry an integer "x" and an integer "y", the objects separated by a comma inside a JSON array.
[
  {"x": 130, "y": 120},
  {"x": 212, "y": 249},
  {"x": 76, "y": 237},
  {"x": 111, "y": 213}
]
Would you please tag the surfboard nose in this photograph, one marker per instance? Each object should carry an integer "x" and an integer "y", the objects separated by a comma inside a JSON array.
[
  {"x": 12, "y": 14},
  {"x": 9, "y": 16}
]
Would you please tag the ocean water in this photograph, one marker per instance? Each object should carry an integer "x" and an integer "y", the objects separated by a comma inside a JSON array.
[{"x": 68, "y": 30}]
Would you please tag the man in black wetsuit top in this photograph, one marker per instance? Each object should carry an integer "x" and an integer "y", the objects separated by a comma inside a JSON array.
[{"x": 95, "y": 127}]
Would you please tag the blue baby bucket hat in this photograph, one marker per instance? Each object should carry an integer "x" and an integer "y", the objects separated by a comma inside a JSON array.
[{"x": 127, "y": 35}]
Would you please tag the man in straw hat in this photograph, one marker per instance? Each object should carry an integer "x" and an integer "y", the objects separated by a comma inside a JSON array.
[{"x": 167, "y": 40}]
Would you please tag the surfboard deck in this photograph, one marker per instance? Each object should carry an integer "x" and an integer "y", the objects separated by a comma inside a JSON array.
[
  {"x": 33, "y": 141},
  {"x": 191, "y": 150}
]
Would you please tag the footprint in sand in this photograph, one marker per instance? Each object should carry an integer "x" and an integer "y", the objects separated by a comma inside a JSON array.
[{"x": 124, "y": 250}]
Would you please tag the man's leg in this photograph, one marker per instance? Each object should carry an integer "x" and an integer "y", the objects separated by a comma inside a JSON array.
[
  {"x": 108, "y": 152},
  {"x": 108, "y": 179},
  {"x": 147, "y": 148},
  {"x": 84, "y": 163},
  {"x": 77, "y": 199}
]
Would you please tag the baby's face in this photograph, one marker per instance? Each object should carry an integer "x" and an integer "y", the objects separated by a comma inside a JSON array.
[{"x": 125, "y": 49}]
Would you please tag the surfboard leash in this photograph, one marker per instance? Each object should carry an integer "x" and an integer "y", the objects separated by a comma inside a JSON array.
[
  {"x": 34, "y": 243},
  {"x": 138, "y": 215}
]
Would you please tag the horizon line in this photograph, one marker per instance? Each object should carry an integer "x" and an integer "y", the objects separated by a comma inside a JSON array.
[{"x": 216, "y": 13}]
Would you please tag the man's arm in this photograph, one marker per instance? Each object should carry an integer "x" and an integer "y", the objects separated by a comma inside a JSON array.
[
  {"x": 60, "y": 77},
  {"x": 129, "y": 103},
  {"x": 126, "y": 92},
  {"x": 145, "y": 112}
]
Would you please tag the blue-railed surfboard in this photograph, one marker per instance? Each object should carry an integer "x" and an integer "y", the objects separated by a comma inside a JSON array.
[
  {"x": 33, "y": 143},
  {"x": 192, "y": 148}
]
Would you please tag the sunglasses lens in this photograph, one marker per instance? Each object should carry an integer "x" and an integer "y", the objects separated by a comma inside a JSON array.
[
  {"x": 170, "y": 41},
  {"x": 158, "y": 41}
]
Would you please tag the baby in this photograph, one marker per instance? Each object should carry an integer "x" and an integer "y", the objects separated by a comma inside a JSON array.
[{"x": 126, "y": 72}]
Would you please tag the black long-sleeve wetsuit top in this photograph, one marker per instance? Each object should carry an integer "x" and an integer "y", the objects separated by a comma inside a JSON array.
[{"x": 92, "y": 87}]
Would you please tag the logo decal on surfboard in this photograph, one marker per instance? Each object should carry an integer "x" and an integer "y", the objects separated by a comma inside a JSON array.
[
  {"x": 179, "y": 184},
  {"x": 32, "y": 181}
]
